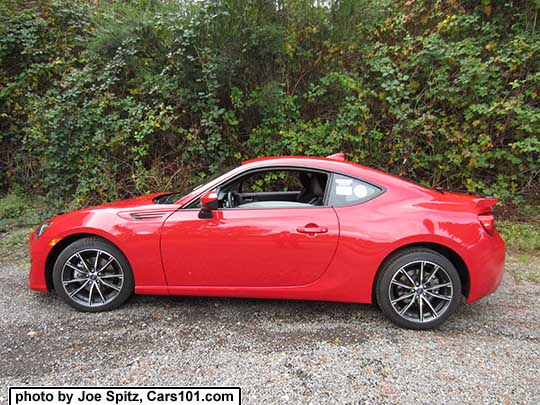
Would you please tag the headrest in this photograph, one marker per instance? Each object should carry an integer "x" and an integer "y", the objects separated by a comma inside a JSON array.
[
  {"x": 315, "y": 185},
  {"x": 304, "y": 179}
]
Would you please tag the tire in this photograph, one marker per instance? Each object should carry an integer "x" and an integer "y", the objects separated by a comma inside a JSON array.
[
  {"x": 434, "y": 297},
  {"x": 93, "y": 275}
]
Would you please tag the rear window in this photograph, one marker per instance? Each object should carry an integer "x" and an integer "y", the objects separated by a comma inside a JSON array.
[{"x": 347, "y": 191}]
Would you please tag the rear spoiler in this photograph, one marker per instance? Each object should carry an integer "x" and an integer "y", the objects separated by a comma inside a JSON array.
[
  {"x": 484, "y": 205},
  {"x": 336, "y": 156}
]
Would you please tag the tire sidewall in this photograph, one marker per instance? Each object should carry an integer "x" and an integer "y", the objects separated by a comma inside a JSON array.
[{"x": 93, "y": 243}]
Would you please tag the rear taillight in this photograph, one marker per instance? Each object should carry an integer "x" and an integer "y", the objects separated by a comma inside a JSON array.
[{"x": 488, "y": 222}]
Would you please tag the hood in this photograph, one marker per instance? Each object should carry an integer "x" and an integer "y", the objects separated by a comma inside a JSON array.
[{"x": 143, "y": 200}]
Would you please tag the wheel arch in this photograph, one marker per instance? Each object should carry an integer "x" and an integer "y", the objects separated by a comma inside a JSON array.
[
  {"x": 447, "y": 252},
  {"x": 60, "y": 246}
]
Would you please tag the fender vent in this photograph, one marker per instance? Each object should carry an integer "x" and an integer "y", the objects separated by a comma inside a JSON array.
[{"x": 147, "y": 215}]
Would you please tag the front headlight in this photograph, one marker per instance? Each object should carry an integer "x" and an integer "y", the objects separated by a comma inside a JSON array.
[{"x": 42, "y": 228}]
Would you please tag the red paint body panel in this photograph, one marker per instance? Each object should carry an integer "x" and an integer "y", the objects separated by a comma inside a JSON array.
[
  {"x": 272, "y": 253},
  {"x": 248, "y": 248},
  {"x": 139, "y": 240}
]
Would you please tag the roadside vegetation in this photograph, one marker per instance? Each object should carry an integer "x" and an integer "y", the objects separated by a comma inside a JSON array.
[
  {"x": 106, "y": 99},
  {"x": 522, "y": 238},
  {"x": 18, "y": 218},
  {"x": 523, "y": 246}
]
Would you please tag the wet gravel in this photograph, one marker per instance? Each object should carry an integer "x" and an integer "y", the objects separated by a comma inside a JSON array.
[{"x": 277, "y": 351}]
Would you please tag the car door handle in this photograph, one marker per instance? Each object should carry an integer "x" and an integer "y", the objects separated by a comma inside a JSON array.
[{"x": 312, "y": 229}]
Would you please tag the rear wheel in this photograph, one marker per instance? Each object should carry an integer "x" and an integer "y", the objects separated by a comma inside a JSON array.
[
  {"x": 93, "y": 275},
  {"x": 418, "y": 289}
]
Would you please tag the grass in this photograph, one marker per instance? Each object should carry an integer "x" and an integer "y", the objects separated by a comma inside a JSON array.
[
  {"x": 18, "y": 217},
  {"x": 533, "y": 277},
  {"x": 521, "y": 238},
  {"x": 14, "y": 244},
  {"x": 523, "y": 246}
]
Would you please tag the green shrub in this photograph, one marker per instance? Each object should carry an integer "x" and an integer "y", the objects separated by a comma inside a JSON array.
[
  {"x": 521, "y": 237},
  {"x": 108, "y": 99},
  {"x": 16, "y": 211},
  {"x": 12, "y": 207}
]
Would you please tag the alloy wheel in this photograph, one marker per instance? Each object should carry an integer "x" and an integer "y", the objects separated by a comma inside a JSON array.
[
  {"x": 420, "y": 291},
  {"x": 92, "y": 277}
]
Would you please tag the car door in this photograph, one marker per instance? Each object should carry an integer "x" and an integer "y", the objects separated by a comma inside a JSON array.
[
  {"x": 249, "y": 247},
  {"x": 252, "y": 247}
]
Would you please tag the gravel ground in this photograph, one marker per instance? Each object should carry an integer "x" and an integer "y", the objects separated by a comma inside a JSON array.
[{"x": 277, "y": 351}]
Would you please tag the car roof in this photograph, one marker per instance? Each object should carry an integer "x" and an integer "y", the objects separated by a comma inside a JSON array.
[{"x": 332, "y": 163}]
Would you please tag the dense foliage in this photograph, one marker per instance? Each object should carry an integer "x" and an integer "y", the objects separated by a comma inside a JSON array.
[{"x": 105, "y": 99}]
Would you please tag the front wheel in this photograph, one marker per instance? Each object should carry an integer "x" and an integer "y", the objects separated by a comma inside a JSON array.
[
  {"x": 93, "y": 275},
  {"x": 418, "y": 289}
]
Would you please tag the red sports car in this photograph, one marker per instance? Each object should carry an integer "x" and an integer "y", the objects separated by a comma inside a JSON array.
[{"x": 280, "y": 227}]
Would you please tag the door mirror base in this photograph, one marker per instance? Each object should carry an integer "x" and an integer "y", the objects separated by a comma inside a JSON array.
[
  {"x": 209, "y": 202},
  {"x": 205, "y": 214}
]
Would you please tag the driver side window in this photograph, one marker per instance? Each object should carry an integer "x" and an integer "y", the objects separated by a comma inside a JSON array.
[
  {"x": 278, "y": 188},
  {"x": 271, "y": 182}
]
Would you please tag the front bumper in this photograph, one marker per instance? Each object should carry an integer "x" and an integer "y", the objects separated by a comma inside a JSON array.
[{"x": 38, "y": 257}]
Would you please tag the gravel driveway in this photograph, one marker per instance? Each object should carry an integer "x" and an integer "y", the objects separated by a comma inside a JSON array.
[{"x": 277, "y": 351}]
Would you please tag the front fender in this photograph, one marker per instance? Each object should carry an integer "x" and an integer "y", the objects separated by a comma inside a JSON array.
[{"x": 138, "y": 240}]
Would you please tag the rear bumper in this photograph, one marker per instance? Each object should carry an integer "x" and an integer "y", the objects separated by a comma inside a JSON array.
[{"x": 486, "y": 266}]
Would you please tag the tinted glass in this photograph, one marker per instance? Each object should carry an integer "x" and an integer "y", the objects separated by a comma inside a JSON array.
[
  {"x": 346, "y": 191},
  {"x": 272, "y": 181}
]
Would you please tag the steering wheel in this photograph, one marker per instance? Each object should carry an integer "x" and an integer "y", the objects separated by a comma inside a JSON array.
[{"x": 231, "y": 199}]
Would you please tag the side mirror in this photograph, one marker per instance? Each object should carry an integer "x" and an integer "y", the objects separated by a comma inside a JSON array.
[{"x": 209, "y": 202}]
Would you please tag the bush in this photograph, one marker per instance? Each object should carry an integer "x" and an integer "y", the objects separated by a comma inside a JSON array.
[
  {"x": 102, "y": 100},
  {"x": 16, "y": 211}
]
